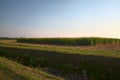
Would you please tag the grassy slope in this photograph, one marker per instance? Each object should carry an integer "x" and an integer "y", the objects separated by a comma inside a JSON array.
[{"x": 10, "y": 70}]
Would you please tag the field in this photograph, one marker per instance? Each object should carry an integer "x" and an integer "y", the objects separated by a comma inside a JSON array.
[
  {"x": 71, "y": 62},
  {"x": 85, "y": 41}
]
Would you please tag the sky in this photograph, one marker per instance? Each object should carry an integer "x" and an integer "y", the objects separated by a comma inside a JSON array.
[{"x": 60, "y": 18}]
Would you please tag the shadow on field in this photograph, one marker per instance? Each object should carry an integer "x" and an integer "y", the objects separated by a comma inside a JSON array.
[
  {"x": 61, "y": 57},
  {"x": 94, "y": 67}
]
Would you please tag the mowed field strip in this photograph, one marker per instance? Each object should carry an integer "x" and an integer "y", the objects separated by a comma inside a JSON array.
[{"x": 110, "y": 50}]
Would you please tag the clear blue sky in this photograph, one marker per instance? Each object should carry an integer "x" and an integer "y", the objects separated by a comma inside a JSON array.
[{"x": 60, "y": 18}]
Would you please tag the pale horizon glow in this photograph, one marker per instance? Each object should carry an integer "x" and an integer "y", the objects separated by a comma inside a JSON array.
[{"x": 60, "y": 18}]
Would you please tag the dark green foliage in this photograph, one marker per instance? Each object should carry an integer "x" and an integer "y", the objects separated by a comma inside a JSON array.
[
  {"x": 7, "y": 38},
  {"x": 28, "y": 60},
  {"x": 70, "y": 41},
  {"x": 24, "y": 59}
]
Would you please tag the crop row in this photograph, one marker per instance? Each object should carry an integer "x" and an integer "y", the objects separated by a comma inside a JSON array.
[{"x": 84, "y": 41}]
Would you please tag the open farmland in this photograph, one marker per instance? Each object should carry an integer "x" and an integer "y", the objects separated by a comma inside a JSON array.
[
  {"x": 99, "y": 62},
  {"x": 60, "y": 40}
]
